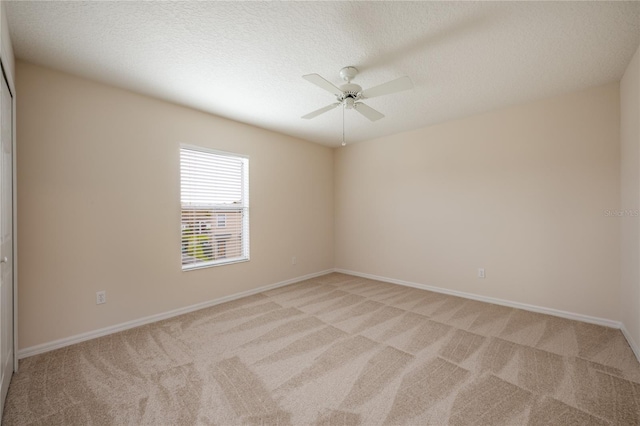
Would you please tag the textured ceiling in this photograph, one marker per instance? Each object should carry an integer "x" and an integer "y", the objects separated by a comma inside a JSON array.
[{"x": 245, "y": 60}]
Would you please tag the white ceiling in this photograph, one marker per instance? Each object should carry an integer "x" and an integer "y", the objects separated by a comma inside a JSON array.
[{"x": 244, "y": 60}]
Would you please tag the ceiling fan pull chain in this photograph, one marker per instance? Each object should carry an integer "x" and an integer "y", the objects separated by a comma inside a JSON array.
[{"x": 343, "y": 141}]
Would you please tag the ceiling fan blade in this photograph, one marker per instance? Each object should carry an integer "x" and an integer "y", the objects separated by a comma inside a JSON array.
[
  {"x": 322, "y": 83},
  {"x": 321, "y": 111},
  {"x": 368, "y": 112},
  {"x": 393, "y": 86}
]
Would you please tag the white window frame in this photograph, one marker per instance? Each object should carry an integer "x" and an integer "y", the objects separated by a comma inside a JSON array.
[{"x": 242, "y": 207}]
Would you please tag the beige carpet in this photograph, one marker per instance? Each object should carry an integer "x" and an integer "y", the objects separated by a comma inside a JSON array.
[{"x": 338, "y": 350}]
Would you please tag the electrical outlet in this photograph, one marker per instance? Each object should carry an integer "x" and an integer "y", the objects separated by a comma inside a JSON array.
[
  {"x": 294, "y": 260},
  {"x": 481, "y": 273},
  {"x": 101, "y": 297}
]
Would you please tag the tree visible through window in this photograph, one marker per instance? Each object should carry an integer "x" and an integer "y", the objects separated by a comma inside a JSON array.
[{"x": 214, "y": 196}]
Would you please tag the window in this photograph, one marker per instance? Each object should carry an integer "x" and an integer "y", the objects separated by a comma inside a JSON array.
[{"x": 214, "y": 197}]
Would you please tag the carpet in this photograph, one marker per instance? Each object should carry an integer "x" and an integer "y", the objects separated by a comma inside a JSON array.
[{"x": 338, "y": 350}]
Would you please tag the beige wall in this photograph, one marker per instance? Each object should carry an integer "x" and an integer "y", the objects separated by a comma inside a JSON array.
[
  {"x": 630, "y": 199},
  {"x": 98, "y": 201},
  {"x": 521, "y": 192}
]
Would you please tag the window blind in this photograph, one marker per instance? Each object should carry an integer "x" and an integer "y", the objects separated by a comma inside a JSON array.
[{"x": 214, "y": 197}]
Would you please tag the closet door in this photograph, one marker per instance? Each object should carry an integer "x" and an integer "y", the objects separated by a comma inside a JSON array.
[{"x": 6, "y": 239}]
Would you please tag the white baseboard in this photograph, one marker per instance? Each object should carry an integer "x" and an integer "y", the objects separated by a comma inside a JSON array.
[
  {"x": 60, "y": 343},
  {"x": 632, "y": 343},
  {"x": 67, "y": 341},
  {"x": 539, "y": 309}
]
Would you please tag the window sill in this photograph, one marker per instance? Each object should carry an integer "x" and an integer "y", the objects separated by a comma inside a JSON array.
[{"x": 213, "y": 263}]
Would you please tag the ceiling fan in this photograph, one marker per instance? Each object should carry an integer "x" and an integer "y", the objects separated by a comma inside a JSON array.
[{"x": 350, "y": 95}]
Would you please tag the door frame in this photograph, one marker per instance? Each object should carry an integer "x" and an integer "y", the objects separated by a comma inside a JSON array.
[{"x": 10, "y": 83}]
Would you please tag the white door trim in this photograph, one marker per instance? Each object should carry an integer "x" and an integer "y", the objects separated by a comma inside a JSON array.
[{"x": 14, "y": 201}]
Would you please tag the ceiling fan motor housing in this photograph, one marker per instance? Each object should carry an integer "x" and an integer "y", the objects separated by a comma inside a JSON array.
[{"x": 350, "y": 91}]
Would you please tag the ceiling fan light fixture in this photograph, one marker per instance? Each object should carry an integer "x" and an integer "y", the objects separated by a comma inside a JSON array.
[{"x": 349, "y": 103}]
